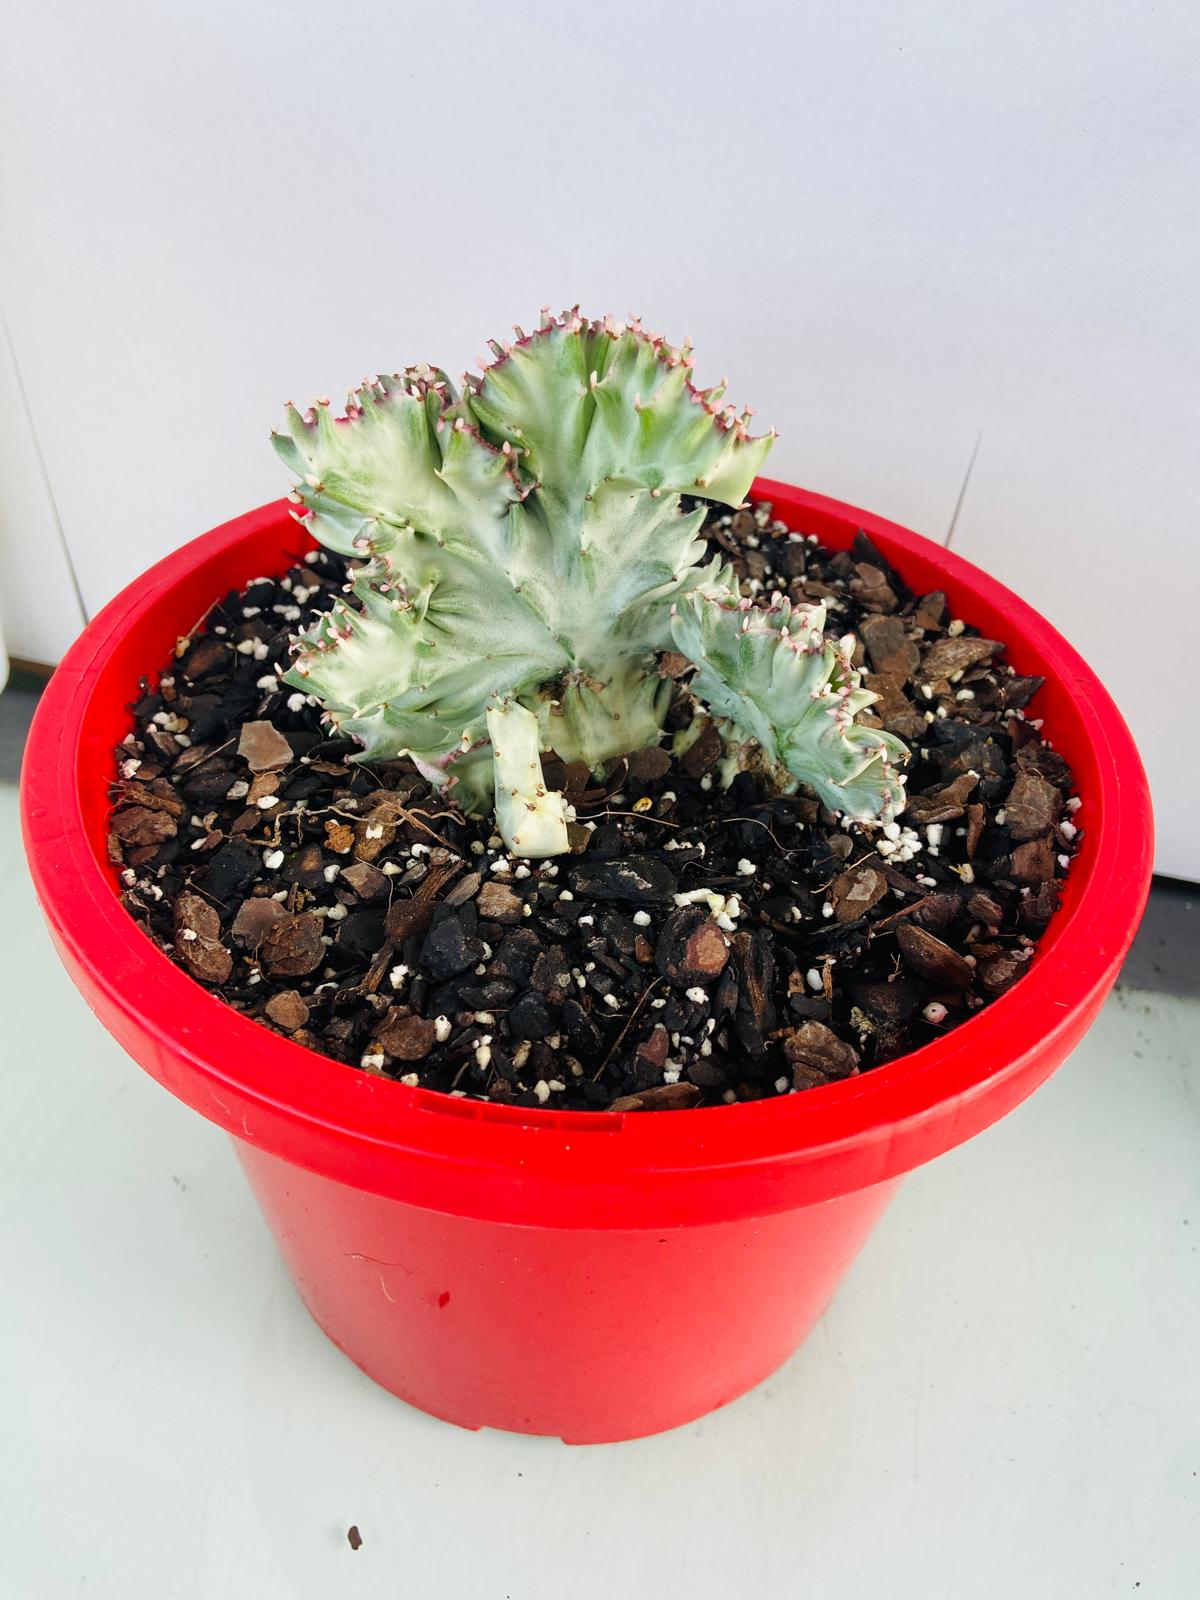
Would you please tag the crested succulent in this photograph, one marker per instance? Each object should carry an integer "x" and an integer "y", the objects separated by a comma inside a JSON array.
[
  {"x": 786, "y": 698},
  {"x": 525, "y": 556}
]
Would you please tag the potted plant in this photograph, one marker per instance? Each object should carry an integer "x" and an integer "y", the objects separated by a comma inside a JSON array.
[{"x": 582, "y": 896}]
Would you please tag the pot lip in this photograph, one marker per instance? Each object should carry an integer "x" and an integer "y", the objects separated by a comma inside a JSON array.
[{"x": 237, "y": 1066}]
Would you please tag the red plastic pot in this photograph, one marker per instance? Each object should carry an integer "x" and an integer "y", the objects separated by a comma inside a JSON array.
[{"x": 590, "y": 1275}]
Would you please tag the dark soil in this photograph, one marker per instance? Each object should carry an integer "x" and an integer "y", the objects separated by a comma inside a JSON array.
[{"x": 697, "y": 947}]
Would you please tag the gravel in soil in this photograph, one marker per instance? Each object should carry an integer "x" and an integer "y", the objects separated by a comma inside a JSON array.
[{"x": 698, "y": 946}]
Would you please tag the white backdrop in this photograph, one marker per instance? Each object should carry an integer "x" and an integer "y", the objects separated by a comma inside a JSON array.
[{"x": 910, "y": 233}]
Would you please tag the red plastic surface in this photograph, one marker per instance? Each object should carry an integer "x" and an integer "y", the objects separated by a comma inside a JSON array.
[
  {"x": 542, "y": 1227},
  {"x": 589, "y": 1334}
]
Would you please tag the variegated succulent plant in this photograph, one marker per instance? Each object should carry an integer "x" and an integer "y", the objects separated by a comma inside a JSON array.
[
  {"x": 787, "y": 698},
  {"x": 525, "y": 557}
]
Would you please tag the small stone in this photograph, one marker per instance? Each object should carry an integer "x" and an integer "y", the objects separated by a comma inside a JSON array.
[
  {"x": 942, "y": 804},
  {"x": 262, "y": 747},
  {"x": 408, "y": 919},
  {"x": 376, "y": 832},
  {"x": 690, "y": 947},
  {"x": 203, "y": 954},
  {"x": 667, "y": 1097},
  {"x": 703, "y": 752},
  {"x": 1048, "y": 763},
  {"x": 637, "y": 879},
  {"x": 263, "y": 789},
  {"x": 791, "y": 557},
  {"x": 140, "y": 826},
  {"x": 497, "y": 902},
  {"x": 755, "y": 1016},
  {"x": 932, "y": 960},
  {"x": 583, "y": 1034},
  {"x": 255, "y": 919},
  {"x": 294, "y": 946},
  {"x": 1033, "y": 862},
  {"x": 360, "y": 933},
  {"x": 856, "y": 892},
  {"x": 287, "y": 1010},
  {"x": 937, "y": 911},
  {"x": 885, "y": 1008},
  {"x": 204, "y": 655},
  {"x": 648, "y": 764},
  {"x": 551, "y": 974},
  {"x": 530, "y": 1017},
  {"x": 406, "y": 1038},
  {"x": 1018, "y": 692},
  {"x": 999, "y": 972},
  {"x": 654, "y": 1050},
  {"x": 707, "y": 951},
  {"x": 465, "y": 889},
  {"x": 948, "y": 656},
  {"x": 707, "y": 1073},
  {"x": 449, "y": 949},
  {"x": 1032, "y": 807},
  {"x": 889, "y": 648},
  {"x": 306, "y": 867},
  {"x": 975, "y": 825},
  {"x": 515, "y": 955},
  {"x": 870, "y": 588},
  {"x": 1038, "y": 907},
  {"x": 983, "y": 909},
  {"x": 816, "y": 1055},
  {"x": 894, "y": 709},
  {"x": 367, "y": 882}
]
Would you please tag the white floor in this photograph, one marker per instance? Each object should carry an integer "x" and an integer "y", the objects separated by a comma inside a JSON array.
[{"x": 1003, "y": 1404}]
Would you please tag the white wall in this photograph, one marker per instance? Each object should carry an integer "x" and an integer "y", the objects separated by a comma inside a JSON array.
[
  {"x": 900, "y": 228},
  {"x": 40, "y": 609}
]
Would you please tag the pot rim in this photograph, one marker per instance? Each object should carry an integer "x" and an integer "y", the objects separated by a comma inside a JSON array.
[{"x": 771, "y": 1153}]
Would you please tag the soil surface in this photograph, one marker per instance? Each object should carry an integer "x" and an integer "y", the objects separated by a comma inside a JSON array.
[{"x": 697, "y": 947}]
